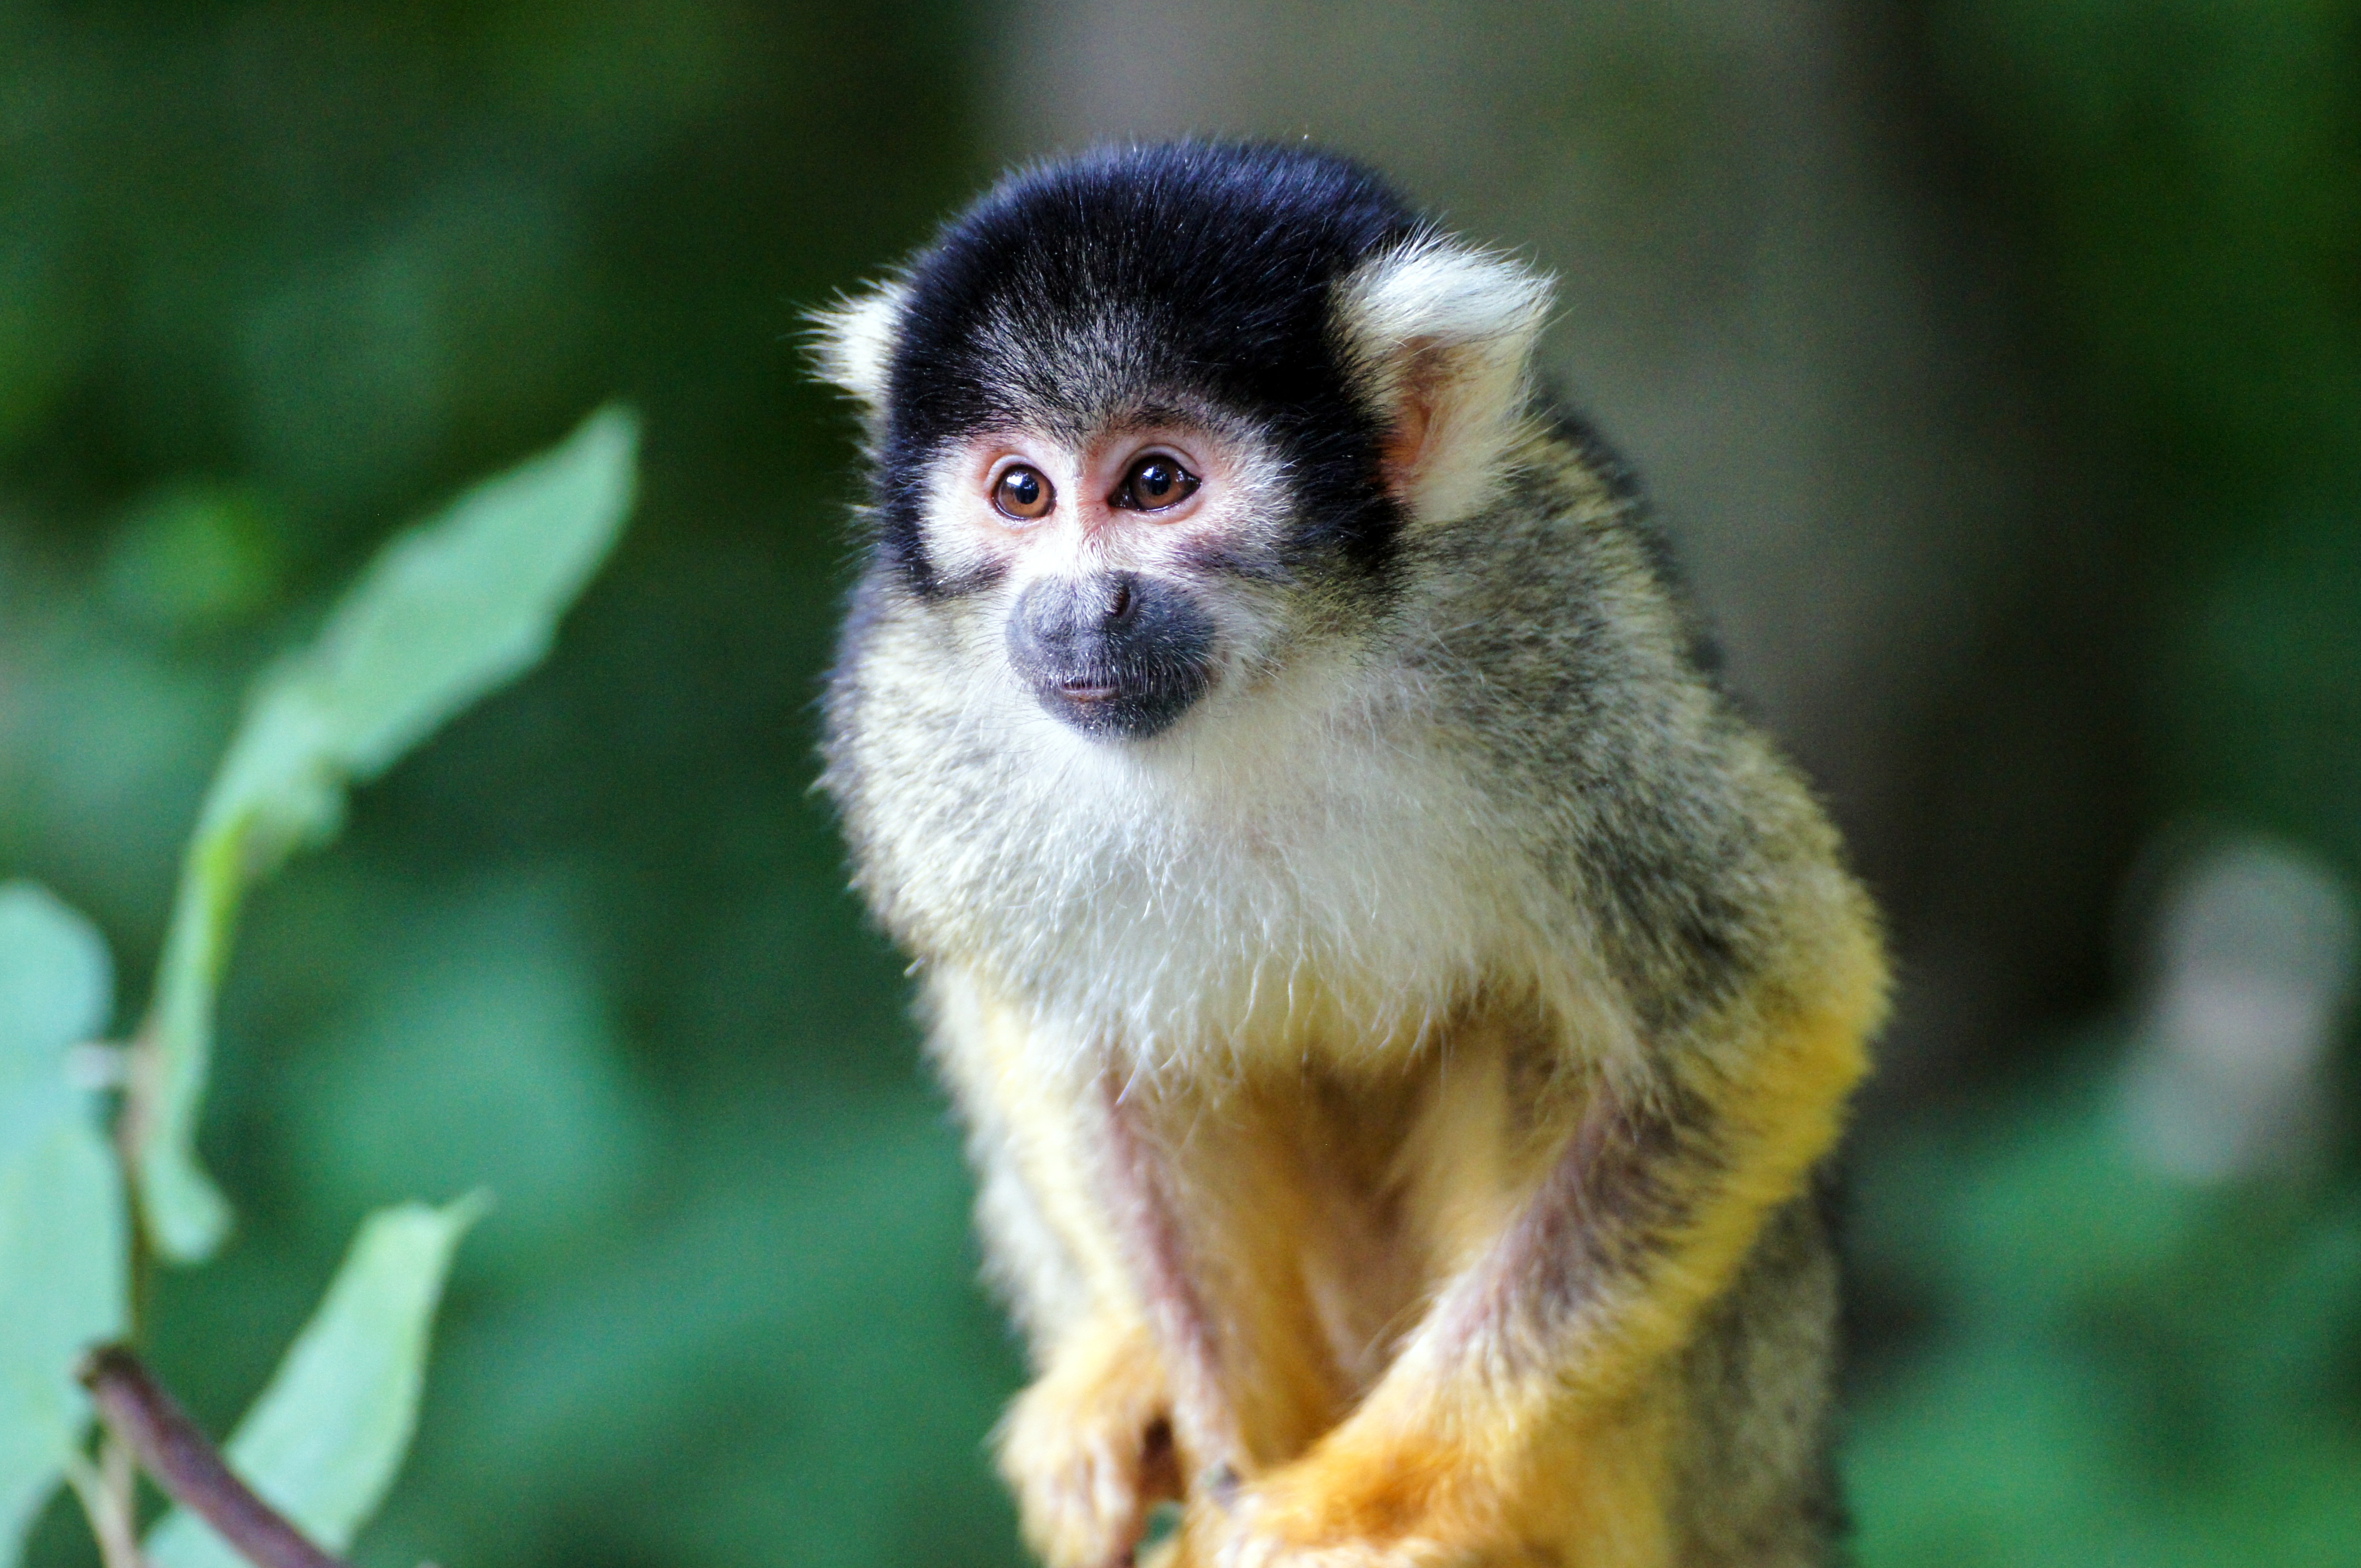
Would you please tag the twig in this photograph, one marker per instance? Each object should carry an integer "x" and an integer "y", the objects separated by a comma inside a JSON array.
[
  {"x": 184, "y": 1461},
  {"x": 106, "y": 1493}
]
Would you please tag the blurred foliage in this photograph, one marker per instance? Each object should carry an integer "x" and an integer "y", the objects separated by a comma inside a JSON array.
[
  {"x": 271, "y": 277},
  {"x": 273, "y": 273},
  {"x": 446, "y": 611},
  {"x": 63, "y": 1262},
  {"x": 2113, "y": 1364},
  {"x": 2079, "y": 1356},
  {"x": 2182, "y": 179},
  {"x": 327, "y": 1434}
]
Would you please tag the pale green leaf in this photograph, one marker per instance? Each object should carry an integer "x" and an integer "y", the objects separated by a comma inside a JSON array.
[
  {"x": 55, "y": 982},
  {"x": 447, "y": 611},
  {"x": 61, "y": 1213},
  {"x": 324, "y": 1442}
]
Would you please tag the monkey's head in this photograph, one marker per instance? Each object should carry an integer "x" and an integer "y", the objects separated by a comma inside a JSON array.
[{"x": 1149, "y": 427}]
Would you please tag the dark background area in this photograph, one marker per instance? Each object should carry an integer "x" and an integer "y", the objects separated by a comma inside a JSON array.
[{"x": 1995, "y": 363}]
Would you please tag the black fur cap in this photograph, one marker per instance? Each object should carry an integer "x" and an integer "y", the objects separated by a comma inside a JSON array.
[{"x": 1142, "y": 278}]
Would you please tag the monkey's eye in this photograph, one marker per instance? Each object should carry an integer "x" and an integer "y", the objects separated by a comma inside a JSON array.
[
  {"x": 1022, "y": 494},
  {"x": 1154, "y": 482}
]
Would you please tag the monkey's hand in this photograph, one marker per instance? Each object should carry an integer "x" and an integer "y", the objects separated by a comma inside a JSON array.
[
  {"x": 1379, "y": 1492},
  {"x": 1290, "y": 1521},
  {"x": 1088, "y": 1449},
  {"x": 1451, "y": 1485}
]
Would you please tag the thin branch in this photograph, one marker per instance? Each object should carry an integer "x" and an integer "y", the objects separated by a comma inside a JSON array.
[
  {"x": 134, "y": 1118},
  {"x": 118, "y": 1471},
  {"x": 106, "y": 1493},
  {"x": 184, "y": 1461}
]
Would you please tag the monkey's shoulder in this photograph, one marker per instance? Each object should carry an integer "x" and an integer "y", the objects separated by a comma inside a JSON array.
[{"x": 1561, "y": 605}]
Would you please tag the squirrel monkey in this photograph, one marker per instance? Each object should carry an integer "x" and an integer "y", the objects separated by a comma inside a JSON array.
[{"x": 1397, "y": 1004}]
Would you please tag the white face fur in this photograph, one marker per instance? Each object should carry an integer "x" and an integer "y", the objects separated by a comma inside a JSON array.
[{"x": 1018, "y": 506}]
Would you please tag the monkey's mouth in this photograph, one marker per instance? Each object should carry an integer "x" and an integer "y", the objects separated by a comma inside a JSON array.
[{"x": 1130, "y": 704}]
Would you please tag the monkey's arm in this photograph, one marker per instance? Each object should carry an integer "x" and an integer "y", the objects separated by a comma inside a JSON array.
[
  {"x": 1526, "y": 1407},
  {"x": 1087, "y": 1447}
]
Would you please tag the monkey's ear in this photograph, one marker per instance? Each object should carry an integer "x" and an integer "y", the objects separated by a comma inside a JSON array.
[
  {"x": 1441, "y": 337},
  {"x": 853, "y": 342}
]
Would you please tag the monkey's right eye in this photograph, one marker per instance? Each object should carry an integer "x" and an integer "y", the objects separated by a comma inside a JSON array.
[{"x": 1022, "y": 493}]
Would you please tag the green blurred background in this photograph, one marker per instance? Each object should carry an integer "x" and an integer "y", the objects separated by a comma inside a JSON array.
[{"x": 1997, "y": 363}]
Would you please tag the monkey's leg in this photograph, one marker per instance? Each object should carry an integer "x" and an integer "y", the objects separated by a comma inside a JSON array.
[
  {"x": 1533, "y": 1415},
  {"x": 1087, "y": 1448},
  {"x": 1147, "y": 1217},
  {"x": 1215, "y": 1205}
]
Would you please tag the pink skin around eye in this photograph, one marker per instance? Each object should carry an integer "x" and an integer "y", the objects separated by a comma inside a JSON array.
[{"x": 1083, "y": 518}]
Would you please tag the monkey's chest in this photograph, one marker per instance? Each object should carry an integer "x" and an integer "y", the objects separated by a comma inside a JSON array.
[{"x": 1327, "y": 1207}]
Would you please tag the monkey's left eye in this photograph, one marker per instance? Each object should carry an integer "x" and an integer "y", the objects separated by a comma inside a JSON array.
[{"x": 1154, "y": 482}]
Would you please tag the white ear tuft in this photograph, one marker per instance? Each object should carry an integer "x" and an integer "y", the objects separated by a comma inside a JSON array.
[
  {"x": 853, "y": 341},
  {"x": 1442, "y": 337}
]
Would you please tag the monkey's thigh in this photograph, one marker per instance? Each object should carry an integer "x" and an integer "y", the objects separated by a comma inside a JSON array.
[{"x": 1722, "y": 1460}]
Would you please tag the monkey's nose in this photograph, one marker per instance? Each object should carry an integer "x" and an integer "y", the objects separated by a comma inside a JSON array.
[{"x": 1119, "y": 654}]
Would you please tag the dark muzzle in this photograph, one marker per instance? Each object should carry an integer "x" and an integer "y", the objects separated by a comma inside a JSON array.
[{"x": 1114, "y": 655}]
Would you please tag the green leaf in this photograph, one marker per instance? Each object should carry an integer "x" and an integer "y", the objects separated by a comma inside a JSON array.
[
  {"x": 61, "y": 1213},
  {"x": 324, "y": 1442},
  {"x": 448, "y": 611},
  {"x": 62, "y": 1289},
  {"x": 55, "y": 982}
]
